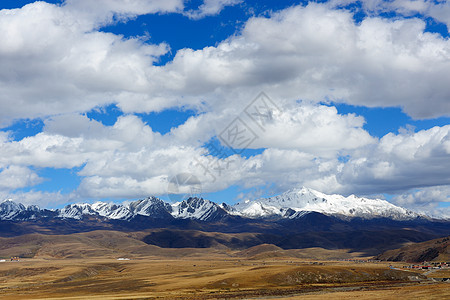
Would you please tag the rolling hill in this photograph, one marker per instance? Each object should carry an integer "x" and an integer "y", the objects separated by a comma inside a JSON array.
[{"x": 434, "y": 250}]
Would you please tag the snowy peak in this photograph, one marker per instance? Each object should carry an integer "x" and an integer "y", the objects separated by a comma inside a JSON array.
[
  {"x": 198, "y": 208},
  {"x": 284, "y": 205},
  {"x": 297, "y": 198},
  {"x": 76, "y": 211},
  {"x": 9, "y": 210},
  {"x": 150, "y": 206},
  {"x": 112, "y": 211},
  {"x": 304, "y": 199}
]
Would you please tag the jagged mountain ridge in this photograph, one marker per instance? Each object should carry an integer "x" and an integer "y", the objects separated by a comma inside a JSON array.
[
  {"x": 292, "y": 204},
  {"x": 192, "y": 208},
  {"x": 10, "y": 210}
]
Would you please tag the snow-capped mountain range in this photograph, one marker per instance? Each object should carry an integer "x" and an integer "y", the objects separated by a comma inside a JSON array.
[
  {"x": 290, "y": 205},
  {"x": 296, "y": 202}
]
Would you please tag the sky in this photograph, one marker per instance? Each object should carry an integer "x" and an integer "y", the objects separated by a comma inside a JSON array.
[{"x": 117, "y": 100}]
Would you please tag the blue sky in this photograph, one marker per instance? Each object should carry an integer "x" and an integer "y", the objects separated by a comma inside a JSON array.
[{"x": 110, "y": 100}]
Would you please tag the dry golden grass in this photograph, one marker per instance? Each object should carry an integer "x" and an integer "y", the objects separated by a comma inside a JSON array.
[
  {"x": 85, "y": 266},
  {"x": 215, "y": 276},
  {"x": 95, "y": 244},
  {"x": 438, "y": 291}
]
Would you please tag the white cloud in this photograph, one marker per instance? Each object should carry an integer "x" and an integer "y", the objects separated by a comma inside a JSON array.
[
  {"x": 51, "y": 62},
  {"x": 380, "y": 62},
  {"x": 102, "y": 12},
  {"x": 426, "y": 200},
  {"x": 54, "y": 64},
  {"x": 15, "y": 177},
  {"x": 316, "y": 129},
  {"x": 210, "y": 8},
  {"x": 74, "y": 125},
  {"x": 40, "y": 198},
  {"x": 129, "y": 160},
  {"x": 439, "y": 10},
  {"x": 405, "y": 7},
  {"x": 70, "y": 141},
  {"x": 43, "y": 150},
  {"x": 400, "y": 162}
]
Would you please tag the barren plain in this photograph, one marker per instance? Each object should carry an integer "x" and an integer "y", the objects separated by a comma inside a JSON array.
[
  {"x": 219, "y": 276},
  {"x": 118, "y": 265}
]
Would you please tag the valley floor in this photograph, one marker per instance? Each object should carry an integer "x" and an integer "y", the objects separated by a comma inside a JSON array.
[{"x": 218, "y": 276}]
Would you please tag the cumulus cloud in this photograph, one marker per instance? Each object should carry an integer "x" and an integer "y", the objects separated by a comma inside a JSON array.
[
  {"x": 40, "y": 198},
  {"x": 405, "y": 7},
  {"x": 311, "y": 128},
  {"x": 400, "y": 162},
  {"x": 63, "y": 146},
  {"x": 129, "y": 159},
  {"x": 426, "y": 200},
  {"x": 51, "y": 62},
  {"x": 316, "y": 129},
  {"x": 210, "y": 8},
  {"x": 15, "y": 177},
  {"x": 380, "y": 62},
  {"x": 438, "y": 10},
  {"x": 103, "y": 12},
  {"x": 56, "y": 64},
  {"x": 441, "y": 12}
]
